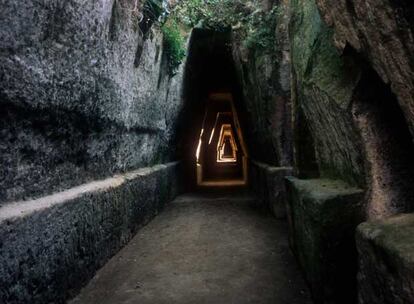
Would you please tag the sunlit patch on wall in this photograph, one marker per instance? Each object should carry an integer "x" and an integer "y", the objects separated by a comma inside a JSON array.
[{"x": 200, "y": 141}]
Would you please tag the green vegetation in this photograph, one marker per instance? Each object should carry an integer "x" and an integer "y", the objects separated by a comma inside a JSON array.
[
  {"x": 156, "y": 11},
  {"x": 261, "y": 30},
  {"x": 217, "y": 15},
  {"x": 174, "y": 45},
  {"x": 255, "y": 27}
]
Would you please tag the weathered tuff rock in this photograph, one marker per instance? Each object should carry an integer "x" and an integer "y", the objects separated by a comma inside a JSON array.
[
  {"x": 83, "y": 95},
  {"x": 324, "y": 85},
  {"x": 383, "y": 31},
  {"x": 269, "y": 185},
  {"x": 379, "y": 35},
  {"x": 51, "y": 247},
  {"x": 323, "y": 215},
  {"x": 386, "y": 260},
  {"x": 353, "y": 88},
  {"x": 265, "y": 81},
  {"x": 388, "y": 147}
]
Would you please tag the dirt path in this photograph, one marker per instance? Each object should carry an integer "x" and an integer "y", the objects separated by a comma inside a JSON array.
[{"x": 203, "y": 249}]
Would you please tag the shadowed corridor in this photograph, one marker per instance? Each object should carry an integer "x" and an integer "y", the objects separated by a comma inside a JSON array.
[
  {"x": 207, "y": 151},
  {"x": 208, "y": 248}
]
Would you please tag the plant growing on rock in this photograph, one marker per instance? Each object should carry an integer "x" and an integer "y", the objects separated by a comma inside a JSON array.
[
  {"x": 261, "y": 30},
  {"x": 256, "y": 27},
  {"x": 174, "y": 45}
]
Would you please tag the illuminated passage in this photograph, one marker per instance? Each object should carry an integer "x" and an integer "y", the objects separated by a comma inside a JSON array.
[{"x": 221, "y": 156}]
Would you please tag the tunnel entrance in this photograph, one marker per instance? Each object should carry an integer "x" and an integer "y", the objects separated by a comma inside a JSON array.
[
  {"x": 221, "y": 156},
  {"x": 212, "y": 144}
]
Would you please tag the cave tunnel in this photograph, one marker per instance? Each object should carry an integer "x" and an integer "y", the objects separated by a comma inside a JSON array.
[
  {"x": 212, "y": 142},
  {"x": 212, "y": 151}
]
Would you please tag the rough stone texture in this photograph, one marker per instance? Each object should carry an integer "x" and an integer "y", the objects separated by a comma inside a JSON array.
[
  {"x": 353, "y": 83},
  {"x": 51, "y": 247},
  {"x": 386, "y": 260},
  {"x": 382, "y": 31},
  {"x": 265, "y": 81},
  {"x": 323, "y": 89},
  {"x": 353, "y": 86},
  {"x": 388, "y": 147},
  {"x": 323, "y": 215},
  {"x": 269, "y": 185},
  {"x": 83, "y": 95},
  {"x": 210, "y": 249}
]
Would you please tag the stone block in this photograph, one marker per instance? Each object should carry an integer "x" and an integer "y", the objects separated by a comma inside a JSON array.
[
  {"x": 386, "y": 260},
  {"x": 268, "y": 183},
  {"x": 323, "y": 215}
]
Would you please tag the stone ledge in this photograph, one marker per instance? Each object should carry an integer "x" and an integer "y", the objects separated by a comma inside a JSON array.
[
  {"x": 323, "y": 215},
  {"x": 386, "y": 260},
  {"x": 52, "y": 246},
  {"x": 268, "y": 183},
  {"x": 14, "y": 210}
]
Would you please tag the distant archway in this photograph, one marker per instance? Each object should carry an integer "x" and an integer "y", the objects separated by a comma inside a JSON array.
[
  {"x": 212, "y": 98},
  {"x": 220, "y": 127}
]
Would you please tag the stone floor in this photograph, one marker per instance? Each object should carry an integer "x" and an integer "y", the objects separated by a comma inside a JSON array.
[{"x": 204, "y": 248}]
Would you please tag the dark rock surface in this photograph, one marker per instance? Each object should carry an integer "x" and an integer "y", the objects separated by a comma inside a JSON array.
[
  {"x": 323, "y": 90},
  {"x": 382, "y": 31},
  {"x": 51, "y": 247},
  {"x": 265, "y": 80},
  {"x": 388, "y": 147},
  {"x": 77, "y": 104},
  {"x": 85, "y": 94},
  {"x": 376, "y": 35},
  {"x": 353, "y": 83},
  {"x": 209, "y": 248},
  {"x": 268, "y": 183},
  {"x": 323, "y": 215},
  {"x": 386, "y": 260}
]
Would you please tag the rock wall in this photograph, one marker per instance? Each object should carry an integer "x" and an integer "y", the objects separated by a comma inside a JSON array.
[
  {"x": 352, "y": 76},
  {"x": 352, "y": 68},
  {"x": 265, "y": 81},
  {"x": 51, "y": 247},
  {"x": 323, "y": 89},
  {"x": 382, "y": 31},
  {"x": 379, "y": 35},
  {"x": 83, "y": 95}
]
